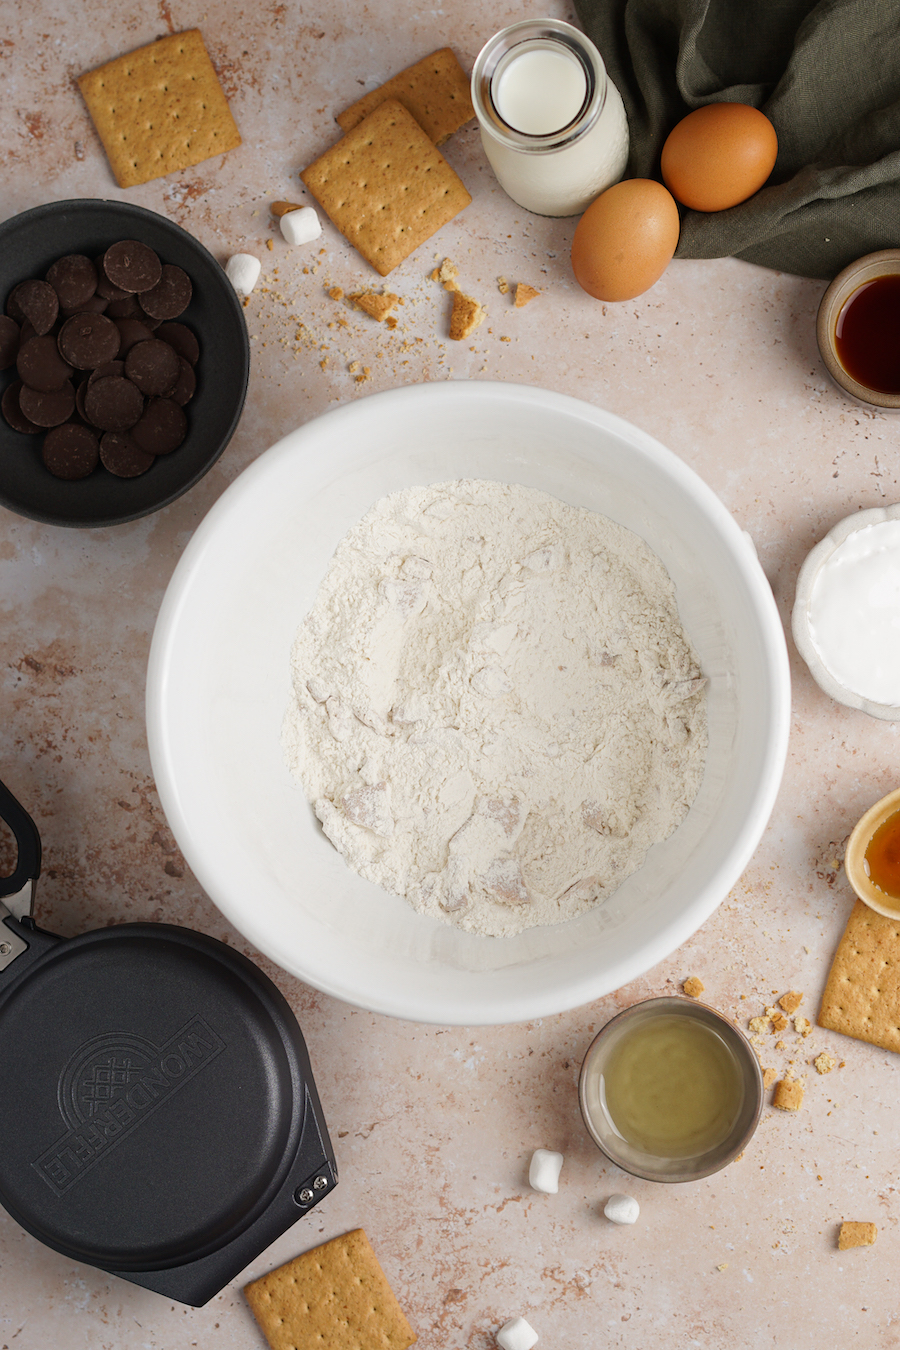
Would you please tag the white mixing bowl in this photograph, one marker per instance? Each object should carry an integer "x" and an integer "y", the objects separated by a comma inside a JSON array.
[{"x": 219, "y": 684}]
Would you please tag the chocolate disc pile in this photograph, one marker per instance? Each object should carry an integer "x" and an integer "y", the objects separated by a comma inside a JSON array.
[{"x": 104, "y": 371}]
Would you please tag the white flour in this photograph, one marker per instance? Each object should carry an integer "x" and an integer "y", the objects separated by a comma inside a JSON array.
[{"x": 497, "y": 712}]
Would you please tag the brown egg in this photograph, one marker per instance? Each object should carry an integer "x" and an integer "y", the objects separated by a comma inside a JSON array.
[
  {"x": 625, "y": 240},
  {"x": 719, "y": 155}
]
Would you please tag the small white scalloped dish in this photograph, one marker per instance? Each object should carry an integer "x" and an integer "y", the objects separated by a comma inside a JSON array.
[{"x": 827, "y": 668}]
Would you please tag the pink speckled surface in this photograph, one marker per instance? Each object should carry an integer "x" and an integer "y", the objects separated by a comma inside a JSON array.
[{"x": 434, "y": 1127}]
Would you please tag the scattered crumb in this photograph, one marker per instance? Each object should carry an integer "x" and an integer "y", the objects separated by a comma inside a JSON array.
[
  {"x": 693, "y": 986},
  {"x": 802, "y": 1026},
  {"x": 446, "y": 274},
  {"x": 824, "y": 1063},
  {"x": 788, "y": 1095},
  {"x": 364, "y": 375},
  {"x": 336, "y": 292},
  {"x": 391, "y": 321},
  {"x": 779, "y": 1045},
  {"x": 525, "y": 294},
  {"x": 790, "y": 1001},
  {"x": 769, "y": 1076},
  {"x": 503, "y": 285},
  {"x": 855, "y": 1234},
  {"x": 353, "y": 367},
  {"x": 270, "y": 244},
  {"x": 280, "y": 209},
  {"x": 467, "y": 314},
  {"x": 722, "y": 1266},
  {"x": 779, "y": 1021},
  {"x": 378, "y": 306},
  {"x": 759, "y": 1025}
]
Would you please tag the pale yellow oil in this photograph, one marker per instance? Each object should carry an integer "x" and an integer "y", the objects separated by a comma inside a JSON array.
[{"x": 672, "y": 1087}]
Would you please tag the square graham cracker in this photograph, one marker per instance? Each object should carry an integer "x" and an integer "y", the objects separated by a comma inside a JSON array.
[
  {"x": 159, "y": 109},
  {"x": 862, "y": 992},
  {"x": 335, "y": 1297},
  {"x": 435, "y": 90},
  {"x": 386, "y": 187}
]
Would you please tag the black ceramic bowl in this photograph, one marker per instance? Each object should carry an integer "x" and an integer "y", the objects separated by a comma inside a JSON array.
[{"x": 29, "y": 243}]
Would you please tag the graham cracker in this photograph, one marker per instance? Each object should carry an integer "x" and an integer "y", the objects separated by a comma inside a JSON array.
[
  {"x": 788, "y": 1094},
  {"x": 524, "y": 294},
  {"x": 334, "y": 1297},
  {"x": 862, "y": 992},
  {"x": 159, "y": 109},
  {"x": 386, "y": 187},
  {"x": 378, "y": 306},
  {"x": 435, "y": 90}
]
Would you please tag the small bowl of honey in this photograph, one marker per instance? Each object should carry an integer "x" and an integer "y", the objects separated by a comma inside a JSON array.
[
  {"x": 670, "y": 1090},
  {"x": 858, "y": 329},
  {"x": 872, "y": 857}
]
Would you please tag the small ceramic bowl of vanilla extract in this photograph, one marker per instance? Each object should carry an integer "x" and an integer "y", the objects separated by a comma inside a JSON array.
[
  {"x": 858, "y": 329},
  {"x": 872, "y": 857},
  {"x": 670, "y": 1090}
]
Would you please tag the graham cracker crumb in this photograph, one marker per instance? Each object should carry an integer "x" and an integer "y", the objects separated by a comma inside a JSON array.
[
  {"x": 856, "y": 1234},
  {"x": 759, "y": 1025},
  {"x": 824, "y": 1063},
  {"x": 693, "y": 986},
  {"x": 525, "y": 294},
  {"x": 769, "y": 1076},
  {"x": 336, "y": 293},
  {"x": 503, "y": 285},
  {"x": 377, "y": 305},
  {"x": 788, "y": 1094},
  {"x": 446, "y": 274},
  {"x": 467, "y": 314},
  {"x": 280, "y": 209},
  {"x": 802, "y": 1026},
  {"x": 791, "y": 1001}
]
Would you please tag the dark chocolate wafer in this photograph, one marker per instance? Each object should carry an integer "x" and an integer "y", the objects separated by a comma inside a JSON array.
[
  {"x": 74, "y": 278},
  {"x": 182, "y": 338},
  {"x": 35, "y": 301},
  {"x": 170, "y": 296},
  {"x": 112, "y": 403},
  {"x": 12, "y": 413},
  {"x": 47, "y": 408},
  {"x": 153, "y": 366},
  {"x": 132, "y": 266},
  {"x": 120, "y": 454},
  {"x": 87, "y": 340},
  {"x": 71, "y": 451},
  {"x": 162, "y": 427},
  {"x": 40, "y": 365}
]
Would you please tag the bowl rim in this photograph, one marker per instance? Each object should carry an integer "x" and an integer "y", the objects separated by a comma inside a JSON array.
[
  {"x": 87, "y": 208},
  {"x": 854, "y": 854},
  {"x": 405, "y": 406},
  {"x": 800, "y": 629},
  {"x": 680, "y": 1006},
  {"x": 883, "y": 262}
]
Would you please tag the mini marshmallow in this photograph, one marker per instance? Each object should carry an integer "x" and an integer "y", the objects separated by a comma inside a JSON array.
[
  {"x": 301, "y": 226},
  {"x": 516, "y": 1334},
  {"x": 242, "y": 270},
  {"x": 622, "y": 1209},
  {"x": 543, "y": 1174}
]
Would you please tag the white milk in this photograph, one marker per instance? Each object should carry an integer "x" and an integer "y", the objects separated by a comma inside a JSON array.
[
  {"x": 540, "y": 91},
  {"x": 552, "y": 123}
]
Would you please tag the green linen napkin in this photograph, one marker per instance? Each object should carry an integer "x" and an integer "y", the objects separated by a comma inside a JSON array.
[{"x": 826, "y": 74}]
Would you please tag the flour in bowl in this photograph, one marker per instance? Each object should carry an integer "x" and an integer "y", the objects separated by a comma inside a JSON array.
[{"x": 496, "y": 710}]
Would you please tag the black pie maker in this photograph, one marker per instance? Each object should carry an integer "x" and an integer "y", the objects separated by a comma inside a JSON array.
[{"x": 158, "y": 1112}]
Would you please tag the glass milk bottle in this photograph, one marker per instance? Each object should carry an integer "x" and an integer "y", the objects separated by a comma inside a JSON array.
[{"x": 552, "y": 123}]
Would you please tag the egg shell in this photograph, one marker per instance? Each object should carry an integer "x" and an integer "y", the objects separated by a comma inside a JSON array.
[
  {"x": 625, "y": 240},
  {"x": 718, "y": 156}
]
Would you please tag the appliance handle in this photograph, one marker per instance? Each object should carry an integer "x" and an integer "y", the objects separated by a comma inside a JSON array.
[{"x": 28, "y": 845}]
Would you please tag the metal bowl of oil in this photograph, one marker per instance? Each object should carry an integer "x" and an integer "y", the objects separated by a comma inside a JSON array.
[
  {"x": 670, "y": 1090},
  {"x": 872, "y": 857}
]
